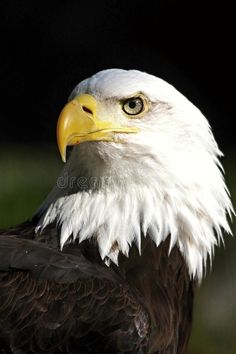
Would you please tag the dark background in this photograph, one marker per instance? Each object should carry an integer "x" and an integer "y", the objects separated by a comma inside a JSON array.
[{"x": 47, "y": 47}]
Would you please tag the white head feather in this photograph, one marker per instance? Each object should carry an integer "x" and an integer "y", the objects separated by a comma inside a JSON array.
[{"x": 164, "y": 180}]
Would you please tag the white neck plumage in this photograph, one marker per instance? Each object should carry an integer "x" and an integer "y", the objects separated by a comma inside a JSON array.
[{"x": 115, "y": 194}]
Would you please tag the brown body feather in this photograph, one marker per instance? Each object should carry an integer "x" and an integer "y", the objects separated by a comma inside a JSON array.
[{"x": 70, "y": 302}]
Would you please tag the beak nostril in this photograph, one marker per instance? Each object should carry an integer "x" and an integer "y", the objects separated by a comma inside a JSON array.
[{"x": 87, "y": 110}]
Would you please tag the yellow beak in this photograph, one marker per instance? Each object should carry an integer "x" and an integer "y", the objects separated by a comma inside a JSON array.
[{"x": 78, "y": 122}]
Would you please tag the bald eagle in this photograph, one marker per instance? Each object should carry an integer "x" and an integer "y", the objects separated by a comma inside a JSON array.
[{"x": 109, "y": 262}]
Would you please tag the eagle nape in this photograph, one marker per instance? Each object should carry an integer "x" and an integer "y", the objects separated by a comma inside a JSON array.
[{"x": 110, "y": 265}]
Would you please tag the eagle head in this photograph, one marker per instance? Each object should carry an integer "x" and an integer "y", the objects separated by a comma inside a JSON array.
[{"x": 144, "y": 162}]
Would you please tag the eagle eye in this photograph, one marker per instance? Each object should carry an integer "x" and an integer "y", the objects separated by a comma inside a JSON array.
[{"x": 133, "y": 106}]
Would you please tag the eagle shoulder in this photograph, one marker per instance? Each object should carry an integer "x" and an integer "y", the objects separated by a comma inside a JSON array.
[{"x": 55, "y": 301}]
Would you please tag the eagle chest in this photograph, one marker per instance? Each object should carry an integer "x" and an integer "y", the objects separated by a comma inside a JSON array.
[{"x": 165, "y": 289}]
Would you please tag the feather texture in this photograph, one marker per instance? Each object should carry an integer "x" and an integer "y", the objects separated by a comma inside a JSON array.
[
  {"x": 59, "y": 302},
  {"x": 71, "y": 302}
]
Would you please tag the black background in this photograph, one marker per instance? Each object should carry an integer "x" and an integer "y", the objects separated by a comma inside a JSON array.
[{"x": 47, "y": 47}]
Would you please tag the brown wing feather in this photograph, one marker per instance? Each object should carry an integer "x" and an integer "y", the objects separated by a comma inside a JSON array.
[{"x": 58, "y": 302}]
